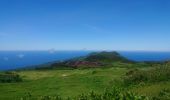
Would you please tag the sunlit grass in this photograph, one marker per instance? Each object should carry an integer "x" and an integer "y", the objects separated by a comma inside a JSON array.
[{"x": 60, "y": 82}]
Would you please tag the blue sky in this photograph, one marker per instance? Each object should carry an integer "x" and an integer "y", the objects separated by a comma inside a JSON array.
[{"x": 85, "y": 24}]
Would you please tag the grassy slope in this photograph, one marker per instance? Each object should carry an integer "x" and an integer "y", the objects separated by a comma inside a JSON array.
[
  {"x": 151, "y": 89},
  {"x": 71, "y": 83},
  {"x": 61, "y": 82}
]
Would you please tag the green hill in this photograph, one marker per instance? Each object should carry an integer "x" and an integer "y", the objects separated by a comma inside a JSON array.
[
  {"x": 106, "y": 57},
  {"x": 96, "y": 59}
]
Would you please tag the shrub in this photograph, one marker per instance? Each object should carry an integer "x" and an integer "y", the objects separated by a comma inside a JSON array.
[
  {"x": 51, "y": 98},
  {"x": 157, "y": 74},
  {"x": 134, "y": 77},
  {"x": 112, "y": 94},
  {"x": 9, "y": 77},
  {"x": 163, "y": 95},
  {"x": 93, "y": 72},
  {"x": 108, "y": 94}
]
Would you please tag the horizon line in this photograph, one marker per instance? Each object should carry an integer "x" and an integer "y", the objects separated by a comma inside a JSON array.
[{"x": 92, "y": 50}]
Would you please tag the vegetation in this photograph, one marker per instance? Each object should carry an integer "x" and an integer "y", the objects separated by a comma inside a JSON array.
[
  {"x": 96, "y": 59},
  {"x": 163, "y": 95},
  {"x": 9, "y": 77},
  {"x": 78, "y": 83},
  {"x": 156, "y": 74},
  {"x": 108, "y": 94},
  {"x": 66, "y": 83},
  {"x": 130, "y": 80},
  {"x": 106, "y": 57}
]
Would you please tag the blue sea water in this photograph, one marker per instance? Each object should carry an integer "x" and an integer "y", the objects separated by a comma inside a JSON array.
[
  {"x": 19, "y": 59},
  {"x": 146, "y": 55}
]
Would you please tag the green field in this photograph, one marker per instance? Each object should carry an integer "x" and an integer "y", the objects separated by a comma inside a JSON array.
[
  {"x": 60, "y": 82},
  {"x": 70, "y": 83}
]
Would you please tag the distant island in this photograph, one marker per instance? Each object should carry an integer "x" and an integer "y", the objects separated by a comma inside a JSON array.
[{"x": 95, "y": 59}]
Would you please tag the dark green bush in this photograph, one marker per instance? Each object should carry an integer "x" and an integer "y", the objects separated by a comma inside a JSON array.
[
  {"x": 157, "y": 74},
  {"x": 9, "y": 77},
  {"x": 93, "y": 72},
  {"x": 113, "y": 94},
  {"x": 108, "y": 94},
  {"x": 163, "y": 95}
]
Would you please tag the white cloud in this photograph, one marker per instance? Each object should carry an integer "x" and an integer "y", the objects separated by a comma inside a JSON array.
[
  {"x": 92, "y": 27},
  {"x": 6, "y": 58},
  {"x": 51, "y": 50},
  {"x": 97, "y": 29},
  {"x": 20, "y": 55}
]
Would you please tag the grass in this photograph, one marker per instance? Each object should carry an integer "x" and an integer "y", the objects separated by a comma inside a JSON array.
[
  {"x": 71, "y": 83},
  {"x": 151, "y": 89},
  {"x": 60, "y": 82}
]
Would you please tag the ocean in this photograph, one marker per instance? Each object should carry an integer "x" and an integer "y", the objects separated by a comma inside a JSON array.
[{"x": 19, "y": 59}]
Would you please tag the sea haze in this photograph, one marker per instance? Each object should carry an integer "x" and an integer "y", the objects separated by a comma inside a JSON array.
[{"x": 19, "y": 59}]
